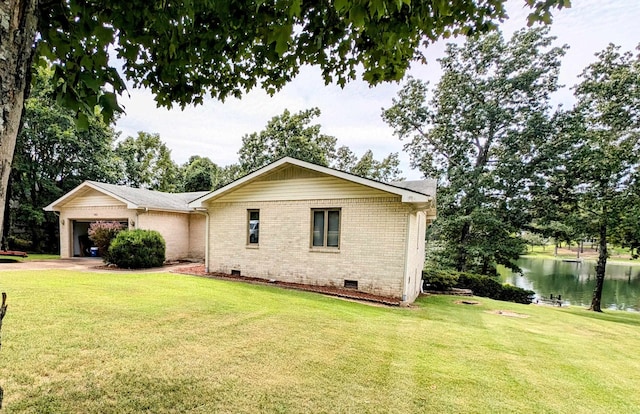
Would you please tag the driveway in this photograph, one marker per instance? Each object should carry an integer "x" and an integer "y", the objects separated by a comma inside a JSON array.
[{"x": 90, "y": 264}]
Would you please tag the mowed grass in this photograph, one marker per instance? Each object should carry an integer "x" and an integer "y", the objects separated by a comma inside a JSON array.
[
  {"x": 30, "y": 257},
  {"x": 125, "y": 342}
]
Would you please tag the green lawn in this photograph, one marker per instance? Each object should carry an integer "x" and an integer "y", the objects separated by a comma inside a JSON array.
[
  {"x": 31, "y": 256},
  {"x": 125, "y": 342}
]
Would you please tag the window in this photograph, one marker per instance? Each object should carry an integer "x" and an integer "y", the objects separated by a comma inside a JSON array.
[
  {"x": 325, "y": 225},
  {"x": 253, "y": 226}
]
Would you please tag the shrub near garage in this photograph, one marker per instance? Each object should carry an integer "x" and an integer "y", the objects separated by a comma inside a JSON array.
[
  {"x": 137, "y": 249},
  {"x": 102, "y": 233}
]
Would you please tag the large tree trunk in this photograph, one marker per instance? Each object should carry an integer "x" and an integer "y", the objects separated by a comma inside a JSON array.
[
  {"x": 461, "y": 255},
  {"x": 18, "y": 25},
  {"x": 600, "y": 267}
]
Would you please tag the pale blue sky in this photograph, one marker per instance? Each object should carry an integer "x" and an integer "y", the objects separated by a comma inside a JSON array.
[{"x": 352, "y": 114}]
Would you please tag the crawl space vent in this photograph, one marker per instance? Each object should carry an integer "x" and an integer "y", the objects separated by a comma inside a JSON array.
[{"x": 351, "y": 284}]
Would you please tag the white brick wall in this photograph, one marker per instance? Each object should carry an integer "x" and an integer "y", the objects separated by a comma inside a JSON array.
[
  {"x": 372, "y": 243},
  {"x": 174, "y": 228}
]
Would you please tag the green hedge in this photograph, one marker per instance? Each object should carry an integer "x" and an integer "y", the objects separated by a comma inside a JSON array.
[
  {"x": 137, "y": 249},
  {"x": 485, "y": 286}
]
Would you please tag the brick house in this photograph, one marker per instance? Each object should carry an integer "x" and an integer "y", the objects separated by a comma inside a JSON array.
[
  {"x": 294, "y": 221},
  {"x": 291, "y": 221},
  {"x": 169, "y": 214}
]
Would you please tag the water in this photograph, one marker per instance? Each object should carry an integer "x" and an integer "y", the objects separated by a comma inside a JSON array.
[{"x": 576, "y": 281}]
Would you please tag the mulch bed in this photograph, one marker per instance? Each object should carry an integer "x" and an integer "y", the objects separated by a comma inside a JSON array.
[{"x": 198, "y": 270}]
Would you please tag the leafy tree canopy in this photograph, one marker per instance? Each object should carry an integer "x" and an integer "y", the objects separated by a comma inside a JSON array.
[
  {"x": 597, "y": 153},
  {"x": 199, "y": 174},
  {"x": 185, "y": 50},
  {"x": 145, "y": 162},
  {"x": 52, "y": 157},
  {"x": 287, "y": 135},
  {"x": 293, "y": 135},
  {"x": 479, "y": 134}
]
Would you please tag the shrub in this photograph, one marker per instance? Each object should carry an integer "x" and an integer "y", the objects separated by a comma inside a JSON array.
[
  {"x": 440, "y": 280},
  {"x": 137, "y": 249},
  {"x": 489, "y": 287},
  {"x": 102, "y": 233},
  {"x": 515, "y": 294},
  {"x": 485, "y": 286},
  {"x": 16, "y": 243}
]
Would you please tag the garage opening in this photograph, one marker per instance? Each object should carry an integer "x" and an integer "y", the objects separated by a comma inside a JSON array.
[{"x": 82, "y": 244}]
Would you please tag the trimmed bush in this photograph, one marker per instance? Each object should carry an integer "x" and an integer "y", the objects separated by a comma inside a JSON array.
[
  {"x": 137, "y": 249},
  {"x": 439, "y": 280},
  {"x": 101, "y": 233},
  {"x": 485, "y": 286},
  {"x": 515, "y": 294},
  {"x": 16, "y": 243},
  {"x": 489, "y": 287}
]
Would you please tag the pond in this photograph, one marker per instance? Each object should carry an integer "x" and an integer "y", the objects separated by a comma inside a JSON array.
[{"x": 576, "y": 281}]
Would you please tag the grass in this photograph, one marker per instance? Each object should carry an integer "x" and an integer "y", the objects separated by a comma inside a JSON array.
[
  {"x": 126, "y": 342},
  {"x": 31, "y": 256}
]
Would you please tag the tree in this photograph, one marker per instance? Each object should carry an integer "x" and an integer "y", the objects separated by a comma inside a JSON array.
[
  {"x": 199, "y": 174},
  {"x": 185, "y": 50},
  {"x": 146, "y": 163},
  {"x": 292, "y": 135},
  {"x": 228, "y": 174},
  {"x": 287, "y": 135},
  {"x": 52, "y": 157},
  {"x": 479, "y": 136},
  {"x": 600, "y": 150},
  {"x": 627, "y": 233},
  {"x": 386, "y": 170}
]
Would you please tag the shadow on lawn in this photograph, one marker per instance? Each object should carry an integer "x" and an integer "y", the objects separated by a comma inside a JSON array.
[
  {"x": 4, "y": 260},
  {"x": 623, "y": 317}
]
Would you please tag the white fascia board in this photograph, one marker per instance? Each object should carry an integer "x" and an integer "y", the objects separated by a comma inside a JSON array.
[{"x": 55, "y": 205}]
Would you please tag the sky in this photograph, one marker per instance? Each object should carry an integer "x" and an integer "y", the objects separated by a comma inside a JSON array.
[{"x": 353, "y": 114}]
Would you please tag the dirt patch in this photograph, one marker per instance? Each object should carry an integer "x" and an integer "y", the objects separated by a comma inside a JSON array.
[
  {"x": 466, "y": 302},
  {"x": 198, "y": 270},
  {"x": 508, "y": 313}
]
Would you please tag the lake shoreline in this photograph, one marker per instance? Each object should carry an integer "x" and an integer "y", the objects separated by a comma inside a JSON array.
[{"x": 594, "y": 260}]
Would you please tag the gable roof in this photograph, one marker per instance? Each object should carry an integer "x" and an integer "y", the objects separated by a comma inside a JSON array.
[
  {"x": 414, "y": 192},
  {"x": 134, "y": 198}
]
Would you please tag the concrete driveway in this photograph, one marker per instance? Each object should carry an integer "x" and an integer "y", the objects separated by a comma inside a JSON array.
[{"x": 89, "y": 264}]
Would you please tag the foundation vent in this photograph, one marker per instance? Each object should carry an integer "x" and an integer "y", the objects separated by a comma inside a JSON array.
[{"x": 351, "y": 284}]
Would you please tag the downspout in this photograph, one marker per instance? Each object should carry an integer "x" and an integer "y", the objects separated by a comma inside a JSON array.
[
  {"x": 206, "y": 241},
  {"x": 405, "y": 279},
  {"x": 206, "y": 237}
]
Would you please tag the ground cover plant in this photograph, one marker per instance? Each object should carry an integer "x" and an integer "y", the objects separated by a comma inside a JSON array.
[{"x": 81, "y": 342}]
